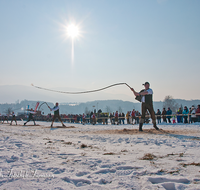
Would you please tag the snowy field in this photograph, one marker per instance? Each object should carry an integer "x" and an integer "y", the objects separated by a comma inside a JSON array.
[{"x": 99, "y": 157}]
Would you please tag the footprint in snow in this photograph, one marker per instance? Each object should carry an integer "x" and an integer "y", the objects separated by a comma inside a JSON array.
[
  {"x": 163, "y": 180},
  {"x": 56, "y": 170},
  {"x": 77, "y": 182},
  {"x": 79, "y": 174},
  {"x": 12, "y": 159},
  {"x": 104, "y": 181},
  {"x": 105, "y": 171}
]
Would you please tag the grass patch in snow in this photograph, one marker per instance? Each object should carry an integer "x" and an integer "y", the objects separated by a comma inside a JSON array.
[
  {"x": 83, "y": 154},
  {"x": 172, "y": 154},
  {"x": 148, "y": 156},
  {"x": 68, "y": 143},
  {"x": 83, "y": 146},
  {"x": 172, "y": 172},
  {"x": 181, "y": 154},
  {"x": 46, "y": 138},
  {"x": 109, "y": 153},
  {"x": 191, "y": 164},
  {"x": 162, "y": 171}
]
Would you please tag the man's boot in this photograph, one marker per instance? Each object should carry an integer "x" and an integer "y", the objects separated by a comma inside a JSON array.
[
  {"x": 140, "y": 127},
  {"x": 155, "y": 126}
]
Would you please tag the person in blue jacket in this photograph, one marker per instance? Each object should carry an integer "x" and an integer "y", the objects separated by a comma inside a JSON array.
[
  {"x": 185, "y": 114},
  {"x": 169, "y": 113}
]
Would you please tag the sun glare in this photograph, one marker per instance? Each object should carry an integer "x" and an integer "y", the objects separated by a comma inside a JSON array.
[{"x": 73, "y": 31}]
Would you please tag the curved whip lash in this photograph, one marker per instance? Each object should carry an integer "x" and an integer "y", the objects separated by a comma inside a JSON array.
[
  {"x": 83, "y": 92},
  {"x": 42, "y": 104}
]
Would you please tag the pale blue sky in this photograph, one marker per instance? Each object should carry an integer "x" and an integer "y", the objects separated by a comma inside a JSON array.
[{"x": 122, "y": 41}]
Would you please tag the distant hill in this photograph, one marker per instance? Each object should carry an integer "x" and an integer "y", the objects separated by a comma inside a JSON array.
[{"x": 79, "y": 108}]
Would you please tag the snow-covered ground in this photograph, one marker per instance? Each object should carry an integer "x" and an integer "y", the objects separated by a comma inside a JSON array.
[{"x": 88, "y": 157}]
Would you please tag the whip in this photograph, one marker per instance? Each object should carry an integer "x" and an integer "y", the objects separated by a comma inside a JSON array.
[
  {"x": 42, "y": 104},
  {"x": 83, "y": 92}
]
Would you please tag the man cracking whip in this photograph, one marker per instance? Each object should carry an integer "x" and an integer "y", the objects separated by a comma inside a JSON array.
[
  {"x": 56, "y": 114},
  {"x": 145, "y": 96},
  {"x": 30, "y": 117},
  {"x": 13, "y": 118},
  {"x": 5, "y": 117}
]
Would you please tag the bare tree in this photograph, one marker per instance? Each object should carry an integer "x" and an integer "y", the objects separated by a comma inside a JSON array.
[
  {"x": 8, "y": 111},
  {"x": 87, "y": 111},
  {"x": 108, "y": 109},
  {"x": 170, "y": 102},
  {"x": 120, "y": 109}
]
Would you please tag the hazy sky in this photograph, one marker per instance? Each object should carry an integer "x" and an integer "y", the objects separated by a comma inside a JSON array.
[{"x": 130, "y": 41}]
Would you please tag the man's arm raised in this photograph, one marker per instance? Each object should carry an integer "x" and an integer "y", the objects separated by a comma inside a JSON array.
[{"x": 134, "y": 92}]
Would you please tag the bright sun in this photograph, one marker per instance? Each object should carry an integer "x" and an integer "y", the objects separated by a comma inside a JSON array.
[{"x": 73, "y": 31}]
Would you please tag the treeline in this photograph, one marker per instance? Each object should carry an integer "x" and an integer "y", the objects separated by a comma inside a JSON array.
[{"x": 105, "y": 105}]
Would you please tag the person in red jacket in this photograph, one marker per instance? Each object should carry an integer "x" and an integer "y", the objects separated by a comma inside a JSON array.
[
  {"x": 133, "y": 115},
  {"x": 93, "y": 119},
  {"x": 84, "y": 118},
  {"x": 198, "y": 112},
  {"x": 116, "y": 117}
]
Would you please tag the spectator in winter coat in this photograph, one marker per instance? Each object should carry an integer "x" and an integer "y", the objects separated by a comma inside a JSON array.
[
  {"x": 193, "y": 115},
  {"x": 185, "y": 114},
  {"x": 158, "y": 114},
  {"x": 93, "y": 119},
  {"x": 169, "y": 113},
  {"x": 133, "y": 115},
  {"x": 164, "y": 112},
  {"x": 84, "y": 118},
  {"x": 137, "y": 120},
  {"x": 120, "y": 118},
  {"x": 190, "y": 118},
  {"x": 127, "y": 117},
  {"x": 123, "y": 118},
  {"x": 179, "y": 117},
  {"x": 106, "y": 120},
  {"x": 116, "y": 117},
  {"x": 198, "y": 112}
]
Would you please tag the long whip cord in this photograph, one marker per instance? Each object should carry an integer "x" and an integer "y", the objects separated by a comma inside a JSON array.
[
  {"x": 42, "y": 104},
  {"x": 83, "y": 92}
]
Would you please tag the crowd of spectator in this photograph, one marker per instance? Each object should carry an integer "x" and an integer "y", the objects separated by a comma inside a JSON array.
[{"x": 184, "y": 115}]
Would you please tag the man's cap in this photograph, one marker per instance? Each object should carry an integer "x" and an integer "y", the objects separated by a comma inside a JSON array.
[{"x": 146, "y": 83}]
